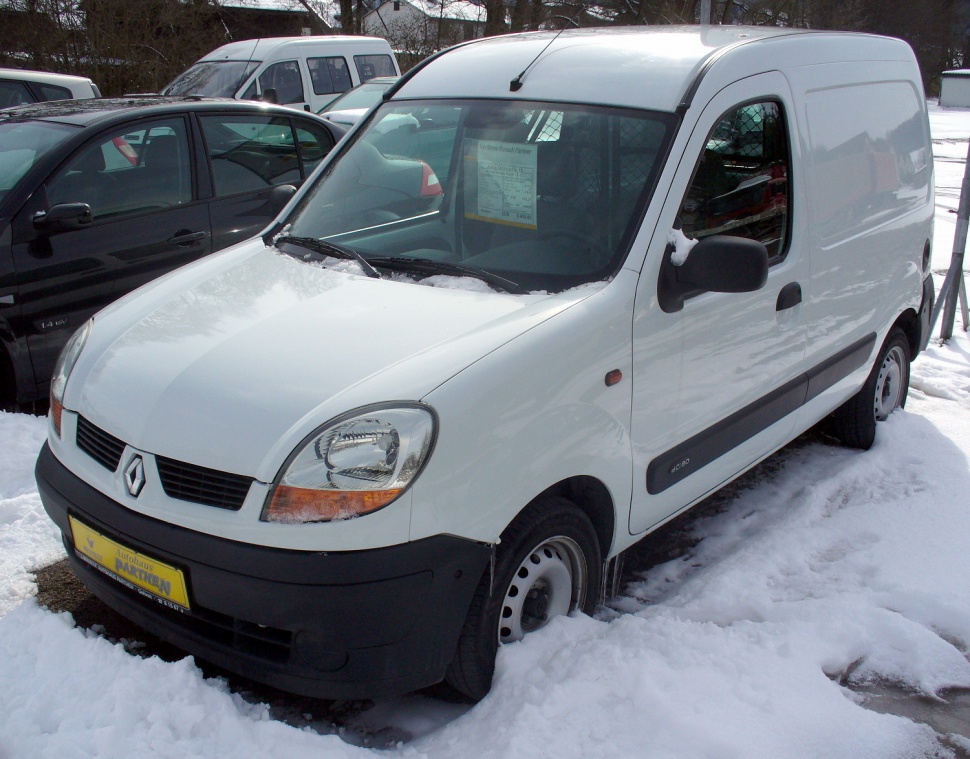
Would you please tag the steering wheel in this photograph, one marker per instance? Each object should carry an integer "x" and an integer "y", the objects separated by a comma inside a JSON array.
[{"x": 596, "y": 254}]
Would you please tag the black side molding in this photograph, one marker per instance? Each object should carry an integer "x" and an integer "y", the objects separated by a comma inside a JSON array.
[{"x": 683, "y": 460}]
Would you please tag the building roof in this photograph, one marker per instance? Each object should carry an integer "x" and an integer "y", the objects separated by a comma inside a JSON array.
[{"x": 455, "y": 10}]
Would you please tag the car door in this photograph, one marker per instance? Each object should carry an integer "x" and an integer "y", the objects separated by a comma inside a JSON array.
[
  {"x": 717, "y": 379},
  {"x": 144, "y": 220},
  {"x": 329, "y": 78},
  {"x": 250, "y": 155}
]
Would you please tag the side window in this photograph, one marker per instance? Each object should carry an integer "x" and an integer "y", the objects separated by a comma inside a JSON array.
[
  {"x": 52, "y": 91},
  {"x": 369, "y": 66},
  {"x": 128, "y": 172},
  {"x": 250, "y": 153},
  {"x": 280, "y": 83},
  {"x": 740, "y": 185},
  {"x": 14, "y": 93},
  {"x": 315, "y": 142},
  {"x": 329, "y": 76}
]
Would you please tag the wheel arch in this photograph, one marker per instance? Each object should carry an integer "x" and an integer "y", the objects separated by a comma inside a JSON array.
[
  {"x": 909, "y": 323},
  {"x": 593, "y": 498}
]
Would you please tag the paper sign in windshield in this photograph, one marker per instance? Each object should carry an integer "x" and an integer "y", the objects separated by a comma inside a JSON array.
[{"x": 506, "y": 183}]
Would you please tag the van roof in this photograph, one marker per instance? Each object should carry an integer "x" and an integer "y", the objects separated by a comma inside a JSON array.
[
  {"x": 48, "y": 77},
  {"x": 656, "y": 68},
  {"x": 258, "y": 49}
]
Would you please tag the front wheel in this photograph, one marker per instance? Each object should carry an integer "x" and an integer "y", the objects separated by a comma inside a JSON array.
[
  {"x": 547, "y": 564},
  {"x": 854, "y": 423}
]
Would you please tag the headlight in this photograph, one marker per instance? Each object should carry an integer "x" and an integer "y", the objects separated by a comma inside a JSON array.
[
  {"x": 62, "y": 370},
  {"x": 353, "y": 465}
]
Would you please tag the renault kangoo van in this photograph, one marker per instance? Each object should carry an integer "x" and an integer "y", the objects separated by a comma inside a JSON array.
[{"x": 553, "y": 291}]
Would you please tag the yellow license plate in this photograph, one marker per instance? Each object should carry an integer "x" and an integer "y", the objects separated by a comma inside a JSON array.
[{"x": 139, "y": 572}]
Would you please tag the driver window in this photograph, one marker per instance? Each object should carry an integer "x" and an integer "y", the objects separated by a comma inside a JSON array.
[
  {"x": 280, "y": 83},
  {"x": 740, "y": 184},
  {"x": 128, "y": 172}
]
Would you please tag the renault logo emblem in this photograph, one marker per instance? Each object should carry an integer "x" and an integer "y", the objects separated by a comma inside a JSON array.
[{"x": 135, "y": 475}]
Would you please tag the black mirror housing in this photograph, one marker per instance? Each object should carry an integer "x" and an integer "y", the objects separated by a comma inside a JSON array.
[
  {"x": 63, "y": 217},
  {"x": 719, "y": 263},
  {"x": 279, "y": 196}
]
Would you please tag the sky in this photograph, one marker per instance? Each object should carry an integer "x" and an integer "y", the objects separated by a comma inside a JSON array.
[{"x": 825, "y": 575}]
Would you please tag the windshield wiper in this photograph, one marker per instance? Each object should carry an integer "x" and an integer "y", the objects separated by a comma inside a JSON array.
[
  {"x": 406, "y": 263},
  {"x": 333, "y": 250}
]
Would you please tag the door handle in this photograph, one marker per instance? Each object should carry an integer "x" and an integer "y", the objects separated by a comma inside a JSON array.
[
  {"x": 789, "y": 297},
  {"x": 184, "y": 237}
]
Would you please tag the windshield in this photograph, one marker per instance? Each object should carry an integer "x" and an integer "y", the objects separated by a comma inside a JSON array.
[
  {"x": 546, "y": 196},
  {"x": 219, "y": 79},
  {"x": 23, "y": 144},
  {"x": 361, "y": 96}
]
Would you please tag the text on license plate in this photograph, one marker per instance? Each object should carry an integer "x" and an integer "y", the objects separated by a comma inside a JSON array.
[{"x": 159, "y": 580}]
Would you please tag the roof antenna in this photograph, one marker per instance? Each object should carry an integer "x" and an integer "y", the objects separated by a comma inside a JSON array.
[{"x": 516, "y": 84}]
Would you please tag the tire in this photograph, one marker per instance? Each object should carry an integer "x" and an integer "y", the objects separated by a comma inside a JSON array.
[
  {"x": 547, "y": 563},
  {"x": 854, "y": 422}
]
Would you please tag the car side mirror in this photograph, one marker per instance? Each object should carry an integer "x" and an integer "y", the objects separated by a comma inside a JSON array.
[
  {"x": 719, "y": 263},
  {"x": 279, "y": 196},
  {"x": 270, "y": 96},
  {"x": 63, "y": 217}
]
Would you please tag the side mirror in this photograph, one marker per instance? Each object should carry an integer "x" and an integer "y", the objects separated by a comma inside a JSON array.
[
  {"x": 269, "y": 95},
  {"x": 720, "y": 263},
  {"x": 63, "y": 217},
  {"x": 279, "y": 196}
]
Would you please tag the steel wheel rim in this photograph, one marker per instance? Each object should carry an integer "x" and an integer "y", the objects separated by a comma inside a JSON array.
[
  {"x": 551, "y": 580},
  {"x": 889, "y": 384}
]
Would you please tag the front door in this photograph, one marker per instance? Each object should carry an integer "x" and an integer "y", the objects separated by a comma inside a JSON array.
[{"x": 715, "y": 381}]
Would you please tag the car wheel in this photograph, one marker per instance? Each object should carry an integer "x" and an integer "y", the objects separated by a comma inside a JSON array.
[
  {"x": 546, "y": 564},
  {"x": 854, "y": 423}
]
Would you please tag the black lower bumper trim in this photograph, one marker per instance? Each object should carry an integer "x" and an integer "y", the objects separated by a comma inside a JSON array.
[{"x": 331, "y": 625}]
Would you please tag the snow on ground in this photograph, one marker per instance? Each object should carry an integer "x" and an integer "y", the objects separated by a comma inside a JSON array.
[{"x": 832, "y": 569}]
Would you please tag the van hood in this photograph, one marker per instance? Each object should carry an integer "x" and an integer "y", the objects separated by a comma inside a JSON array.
[{"x": 232, "y": 369}]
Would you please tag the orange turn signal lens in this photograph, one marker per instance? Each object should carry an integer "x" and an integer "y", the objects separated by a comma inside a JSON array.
[
  {"x": 56, "y": 411},
  {"x": 299, "y": 505}
]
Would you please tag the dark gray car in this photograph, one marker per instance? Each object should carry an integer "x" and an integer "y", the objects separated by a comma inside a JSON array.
[{"x": 97, "y": 197}]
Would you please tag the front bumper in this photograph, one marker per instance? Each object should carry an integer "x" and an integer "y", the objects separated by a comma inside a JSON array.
[{"x": 331, "y": 625}]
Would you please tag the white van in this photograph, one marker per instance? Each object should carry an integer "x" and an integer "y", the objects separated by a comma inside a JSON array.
[
  {"x": 554, "y": 291},
  {"x": 301, "y": 72}
]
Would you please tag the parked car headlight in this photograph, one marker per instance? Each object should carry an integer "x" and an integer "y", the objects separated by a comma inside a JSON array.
[
  {"x": 353, "y": 465},
  {"x": 62, "y": 371}
]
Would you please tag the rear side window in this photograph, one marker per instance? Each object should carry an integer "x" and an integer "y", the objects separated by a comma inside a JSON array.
[
  {"x": 740, "y": 185},
  {"x": 52, "y": 91},
  {"x": 250, "y": 153},
  {"x": 14, "y": 93},
  {"x": 369, "y": 66},
  {"x": 329, "y": 76}
]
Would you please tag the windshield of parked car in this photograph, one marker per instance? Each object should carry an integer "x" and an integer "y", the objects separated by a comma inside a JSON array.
[
  {"x": 219, "y": 79},
  {"x": 23, "y": 144},
  {"x": 546, "y": 196},
  {"x": 362, "y": 96}
]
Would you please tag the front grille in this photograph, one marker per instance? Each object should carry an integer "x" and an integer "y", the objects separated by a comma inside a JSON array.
[
  {"x": 187, "y": 482},
  {"x": 98, "y": 444},
  {"x": 197, "y": 484}
]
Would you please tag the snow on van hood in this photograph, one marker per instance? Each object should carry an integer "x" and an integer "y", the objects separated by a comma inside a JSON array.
[{"x": 221, "y": 368}]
